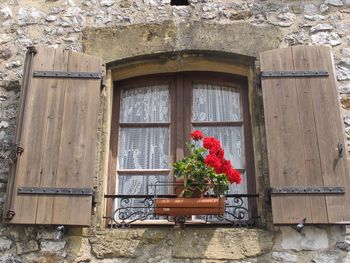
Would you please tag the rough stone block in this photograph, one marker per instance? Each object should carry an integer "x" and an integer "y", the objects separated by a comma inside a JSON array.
[
  {"x": 334, "y": 2},
  {"x": 46, "y": 233},
  {"x": 123, "y": 42},
  {"x": 5, "y": 243},
  {"x": 311, "y": 238},
  {"x": 344, "y": 88},
  {"x": 326, "y": 38},
  {"x": 8, "y": 258},
  {"x": 327, "y": 258},
  {"x": 343, "y": 246},
  {"x": 283, "y": 256},
  {"x": 52, "y": 246},
  {"x": 26, "y": 247},
  {"x": 5, "y": 53},
  {"x": 211, "y": 243}
]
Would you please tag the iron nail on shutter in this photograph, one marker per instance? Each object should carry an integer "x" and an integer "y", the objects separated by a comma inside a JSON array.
[
  {"x": 55, "y": 191},
  {"x": 67, "y": 74},
  {"x": 288, "y": 74},
  {"x": 308, "y": 190}
]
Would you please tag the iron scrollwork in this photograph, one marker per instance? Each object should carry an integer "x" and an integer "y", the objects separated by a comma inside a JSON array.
[{"x": 137, "y": 208}]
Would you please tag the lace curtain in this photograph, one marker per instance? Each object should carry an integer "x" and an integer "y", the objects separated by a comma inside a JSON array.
[
  {"x": 145, "y": 104},
  {"x": 215, "y": 103},
  {"x": 143, "y": 148}
]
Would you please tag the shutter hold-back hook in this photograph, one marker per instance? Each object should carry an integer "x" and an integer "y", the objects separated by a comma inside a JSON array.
[{"x": 340, "y": 150}]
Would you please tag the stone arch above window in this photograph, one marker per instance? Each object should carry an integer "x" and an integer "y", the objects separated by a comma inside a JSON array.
[{"x": 115, "y": 43}]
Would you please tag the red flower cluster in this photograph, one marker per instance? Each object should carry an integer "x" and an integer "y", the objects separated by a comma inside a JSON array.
[
  {"x": 197, "y": 135},
  {"x": 216, "y": 160}
]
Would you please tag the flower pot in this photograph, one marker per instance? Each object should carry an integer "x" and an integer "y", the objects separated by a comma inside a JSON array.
[{"x": 189, "y": 206}]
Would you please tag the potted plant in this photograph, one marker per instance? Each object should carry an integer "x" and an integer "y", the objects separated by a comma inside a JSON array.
[{"x": 204, "y": 170}]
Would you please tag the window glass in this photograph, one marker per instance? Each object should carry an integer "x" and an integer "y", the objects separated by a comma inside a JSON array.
[
  {"x": 215, "y": 103},
  {"x": 145, "y": 104},
  {"x": 142, "y": 184},
  {"x": 144, "y": 148}
]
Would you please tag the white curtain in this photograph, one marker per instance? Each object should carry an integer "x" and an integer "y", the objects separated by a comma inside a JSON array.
[
  {"x": 215, "y": 103},
  {"x": 145, "y": 104},
  {"x": 144, "y": 148}
]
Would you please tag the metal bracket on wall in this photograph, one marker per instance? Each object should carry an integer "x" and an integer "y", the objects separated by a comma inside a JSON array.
[
  {"x": 288, "y": 74},
  {"x": 308, "y": 190},
  {"x": 55, "y": 191},
  {"x": 67, "y": 74}
]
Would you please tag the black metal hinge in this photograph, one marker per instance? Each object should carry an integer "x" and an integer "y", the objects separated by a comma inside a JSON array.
[
  {"x": 67, "y": 74},
  {"x": 308, "y": 190},
  {"x": 54, "y": 191},
  {"x": 288, "y": 74}
]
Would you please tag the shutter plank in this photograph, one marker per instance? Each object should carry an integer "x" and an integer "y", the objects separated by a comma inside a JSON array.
[
  {"x": 57, "y": 91},
  {"x": 305, "y": 90},
  {"x": 78, "y": 141},
  {"x": 272, "y": 132},
  {"x": 33, "y": 141},
  {"x": 286, "y": 163},
  {"x": 330, "y": 132}
]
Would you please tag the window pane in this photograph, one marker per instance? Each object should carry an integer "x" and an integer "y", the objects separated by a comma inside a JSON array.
[
  {"x": 231, "y": 141},
  {"x": 145, "y": 104},
  {"x": 138, "y": 184},
  {"x": 132, "y": 208},
  {"x": 144, "y": 148},
  {"x": 215, "y": 103}
]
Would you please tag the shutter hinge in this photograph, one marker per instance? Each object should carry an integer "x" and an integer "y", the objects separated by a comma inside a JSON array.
[
  {"x": 288, "y": 74},
  {"x": 308, "y": 190},
  {"x": 67, "y": 74},
  {"x": 54, "y": 191}
]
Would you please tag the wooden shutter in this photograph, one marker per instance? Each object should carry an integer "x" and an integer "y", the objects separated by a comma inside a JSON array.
[
  {"x": 303, "y": 130},
  {"x": 57, "y": 130}
]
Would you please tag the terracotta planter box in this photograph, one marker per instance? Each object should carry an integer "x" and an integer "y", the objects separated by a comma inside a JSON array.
[{"x": 190, "y": 206}]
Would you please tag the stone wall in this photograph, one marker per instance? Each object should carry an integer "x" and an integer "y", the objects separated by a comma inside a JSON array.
[{"x": 245, "y": 27}]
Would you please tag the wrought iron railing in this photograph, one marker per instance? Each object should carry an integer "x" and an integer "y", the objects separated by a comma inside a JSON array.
[{"x": 240, "y": 211}]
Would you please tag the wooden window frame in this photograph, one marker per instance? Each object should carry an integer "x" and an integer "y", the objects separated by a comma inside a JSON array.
[{"x": 180, "y": 85}]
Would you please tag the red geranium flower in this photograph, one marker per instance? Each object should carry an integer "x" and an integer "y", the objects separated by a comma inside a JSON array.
[
  {"x": 214, "y": 162},
  {"x": 217, "y": 151},
  {"x": 211, "y": 142},
  {"x": 233, "y": 176},
  {"x": 197, "y": 135}
]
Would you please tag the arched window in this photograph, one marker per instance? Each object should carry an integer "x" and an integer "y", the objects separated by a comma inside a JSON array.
[{"x": 152, "y": 120}]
